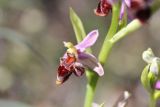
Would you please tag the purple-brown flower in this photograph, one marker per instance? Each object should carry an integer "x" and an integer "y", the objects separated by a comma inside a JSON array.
[
  {"x": 76, "y": 60},
  {"x": 135, "y": 8},
  {"x": 103, "y": 8}
]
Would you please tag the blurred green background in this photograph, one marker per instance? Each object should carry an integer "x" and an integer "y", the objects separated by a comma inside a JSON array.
[{"x": 31, "y": 36}]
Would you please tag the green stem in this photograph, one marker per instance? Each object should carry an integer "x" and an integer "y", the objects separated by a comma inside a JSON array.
[
  {"x": 90, "y": 88},
  {"x": 106, "y": 48},
  {"x": 109, "y": 41},
  {"x": 107, "y": 45},
  {"x": 152, "y": 101},
  {"x": 91, "y": 76}
]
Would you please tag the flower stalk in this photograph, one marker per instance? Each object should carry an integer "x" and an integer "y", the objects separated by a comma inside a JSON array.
[
  {"x": 152, "y": 101},
  {"x": 111, "y": 38},
  {"x": 131, "y": 27},
  {"x": 107, "y": 45},
  {"x": 106, "y": 48}
]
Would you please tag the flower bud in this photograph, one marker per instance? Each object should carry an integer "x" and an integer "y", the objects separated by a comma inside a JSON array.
[
  {"x": 150, "y": 74},
  {"x": 148, "y": 55}
]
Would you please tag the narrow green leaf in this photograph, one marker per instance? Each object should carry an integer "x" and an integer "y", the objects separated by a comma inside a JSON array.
[{"x": 77, "y": 26}]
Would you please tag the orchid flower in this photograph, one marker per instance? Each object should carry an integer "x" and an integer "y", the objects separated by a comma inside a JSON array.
[
  {"x": 75, "y": 60},
  {"x": 135, "y": 8}
]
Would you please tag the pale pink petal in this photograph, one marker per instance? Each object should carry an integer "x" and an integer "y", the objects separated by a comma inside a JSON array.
[
  {"x": 90, "y": 61},
  {"x": 88, "y": 41}
]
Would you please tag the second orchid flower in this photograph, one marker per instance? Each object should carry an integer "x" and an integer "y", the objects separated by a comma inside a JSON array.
[{"x": 135, "y": 8}]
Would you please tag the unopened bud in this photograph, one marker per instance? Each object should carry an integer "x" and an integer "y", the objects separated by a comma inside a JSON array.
[{"x": 148, "y": 55}]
